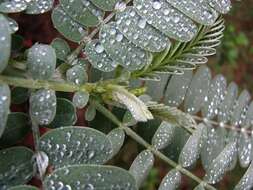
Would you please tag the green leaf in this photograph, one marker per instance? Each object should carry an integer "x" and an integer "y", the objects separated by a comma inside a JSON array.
[
  {"x": 191, "y": 150},
  {"x": 198, "y": 90},
  {"x": 15, "y": 166},
  {"x": 167, "y": 19},
  {"x": 174, "y": 149},
  {"x": 90, "y": 177},
  {"x": 19, "y": 95},
  {"x": 117, "y": 138},
  {"x": 41, "y": 61},
  {"x": 138, "y": 31},
  {"x": 39, "y": 6},
  {"x": 80, "y": 99},
  {"x": 17, "y": 42},
  {"x": 67, "y": 26},
  {"x": 213, "y": 143},
  {"x": 4, "y": 106},
  {"x": 98, "y": 57},
  {"x": 239, "y": 108},
  {"x": 245, "y": 149},
  {"x": 107, "y": 5},
  {"x": 90, "y": 113},
  {"x": 121, "y": 50},
  {"x": 163, "y": 136},
  {"x": 199, "y": 11},
  {"x": 12, "y": 6},
  {"x": 221, "y": 164},
  {"x": 83, "y": 12},
  {"x": 16, "y": 129},
  {"x": 246, "y": 182},
  {"x": 61, "y": 48},
  {"x": 214, "y": 97},
  {"x": 76, "y": 145},
  {"x": 65, "y": 114},
  {"x": 141, "y": 166},
  {"x": 177, "y": 88},
  {"x": 226, "y": 107},
  {"x": 5, "y": 42},
  {"x": 77, "y": 75},
  {"x": 171, "y": 181},
  {"x": 43, "y": 106},
  {"x": 23, "y": 187}
]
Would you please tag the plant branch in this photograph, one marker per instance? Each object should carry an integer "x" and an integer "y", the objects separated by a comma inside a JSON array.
[
  {"x": 86, "y": 39},
  {"x": 141, "y": 141},
  {"x": 37, "y": 84}
]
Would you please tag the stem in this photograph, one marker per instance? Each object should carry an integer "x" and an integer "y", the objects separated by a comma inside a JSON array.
[
  {"x": 37, "y": 84},
  {"x": 141, "y": 141},
  {"x": 36, "y": 134}
]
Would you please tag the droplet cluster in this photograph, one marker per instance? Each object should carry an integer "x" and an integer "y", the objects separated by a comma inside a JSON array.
[
  {"x": 29, "y": 6},
  {"x": 215, "y": 99},
  {"x": 12, "y": 6},
  {"x": 43, "y": 106},
  {"x": 75, "y": 145},
  {"x": 199, "y": 11},
  {"x": 67, "y": 26},
  {"x": 15, "y": 170},
  {"x": 148, "y": 25},
  {"x": 39, "y": 6},
  {"x": 138, "y": 31},
  {"x": 41, "y": 61},
  {"x": 221, "y": 164},
  {"x": 191, "y": 150},
  {"x": 171, "y": 181},
  {"x": 163, "y": 135},
  {"x": 90, "y": 177},
  {"x": 77, "y": 75},
  {"x": 167, "y": 19},
  {"x": 141, "y": 166},
  {"x": 82, "y": 11}
]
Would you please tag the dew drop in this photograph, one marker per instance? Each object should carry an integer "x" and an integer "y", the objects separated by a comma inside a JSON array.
[{"x": 156, "y": 4}]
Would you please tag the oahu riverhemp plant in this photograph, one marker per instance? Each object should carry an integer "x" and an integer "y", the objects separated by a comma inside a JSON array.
[{"x": 136, "y": 56}]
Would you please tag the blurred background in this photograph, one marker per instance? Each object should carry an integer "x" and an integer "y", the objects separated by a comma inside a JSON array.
[{"x": 234, "y": 60}]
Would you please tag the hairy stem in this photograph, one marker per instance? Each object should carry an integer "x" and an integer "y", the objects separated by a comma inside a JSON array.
[{"x": 141, "y": 141}]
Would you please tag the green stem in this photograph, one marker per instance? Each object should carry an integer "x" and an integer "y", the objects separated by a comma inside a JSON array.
[
  {"x": 37, "y": 84},
  {"x": 141, "y": 141},
  {"x": 36, "y": 135}
]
